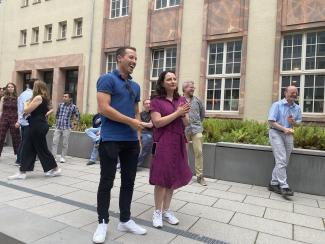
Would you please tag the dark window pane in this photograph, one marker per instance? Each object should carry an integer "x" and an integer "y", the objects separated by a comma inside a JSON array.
[
  {"x": 209, "y": 104},
  {"x": 296, "y": 64},
  {"x": 320, "y": 63},
  {"x": 309, "y": 81},
  {"x": 319, "y": 93},
  {"x": 285, "y": 81},
  {"x": 212, "y": 59},
  {"x": 220, "y": 47},
  {"x": 238, "y": 46},
  {"x": 219, "y": 69},
  {"x": 310, "y": 50},
  {"x": 296, "y": 52},
  {"x": 217, "y": 94},
  {"x": 229, "y": 57},
  {"x": 235, "y": 94},
  {"x": 287, "y": 52},
  {"x": 219, "y": 57},
  {"x": 320, "y": 50},
  {"x": 236, "y": 67},
  {"x": 216, "y": 104},
  {"x": 229, "y": 68},
  {"x": 297, "y": 39},
  {"x": 319, "y": 106},
  {"x": 309, "y": 93},
  {"x": 234, "y": 105},
  {"x": 310, "y": 63},
  {"x": 287, "y": 41},
  {"x": 218, "y": 84},
  {"x": 286, "y": 64},
  {"x": 319, "y": 81},
  {"x": 210, "y": 94},
  {"x": 321, "y": 37},
  {"x": 237, "y": 56},
  {"x": 210, "y": 84},
  {"x": 230, "y": 46},
  {"x": 308, "y": 106},
  {"x": 235, "y": 83},
  {"x": 226, "y": 105},
  {"x": 311, "y": 38},
  {"x": 211, "y": 69},
  {"x": 227, "y": 94},
  {"x": 228, "y": 83},
  {"x": 213, "y": 48}
]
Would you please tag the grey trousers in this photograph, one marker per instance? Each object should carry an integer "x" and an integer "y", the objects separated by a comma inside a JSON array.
[
  {"x": 282, "y": 146},
  {"x": 65, "y": 143}
]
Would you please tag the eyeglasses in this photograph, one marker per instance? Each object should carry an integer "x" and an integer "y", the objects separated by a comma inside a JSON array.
[{"x": 130, "y": 90}]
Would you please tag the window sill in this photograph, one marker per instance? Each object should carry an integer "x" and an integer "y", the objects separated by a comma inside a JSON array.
[
  {"x": 118, "y": 17},
  {"x": 34, "y": 43},
  {"x": 47, "y": 41},
  {"x": 36, "y": 3},
  {"x": 22, "y": 45},
  {"x": 169, "y": 7},
  {"x": 61, "y": 39},
  {"x": 73, "y": 37},
  {"x": 223, "y": 115},
  {"x": 24, "y": 6}
]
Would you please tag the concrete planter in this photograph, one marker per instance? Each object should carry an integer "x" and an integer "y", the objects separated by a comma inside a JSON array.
[
  {"x": 249, "y": 164},
  {"x": 253, "y": 164}
]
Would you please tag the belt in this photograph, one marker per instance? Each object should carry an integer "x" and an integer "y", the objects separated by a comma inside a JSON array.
[{"x": 276, "y": 129}]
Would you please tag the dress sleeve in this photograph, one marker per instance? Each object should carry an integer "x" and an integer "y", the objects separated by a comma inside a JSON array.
[{"x": 155, "y": 106}]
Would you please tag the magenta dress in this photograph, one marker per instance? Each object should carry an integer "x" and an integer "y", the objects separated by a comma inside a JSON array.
[{"x": 169, "y": 165}]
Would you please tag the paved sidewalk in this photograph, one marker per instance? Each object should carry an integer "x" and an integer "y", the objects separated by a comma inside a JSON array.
[{"x": 63, "y": 210}]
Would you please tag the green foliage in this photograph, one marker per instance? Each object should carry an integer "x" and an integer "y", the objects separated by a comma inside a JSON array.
[
  {"x": 86, "y": 121},
  {"x": 51, "y": 120},
  {"x": 308, "y": 136}
]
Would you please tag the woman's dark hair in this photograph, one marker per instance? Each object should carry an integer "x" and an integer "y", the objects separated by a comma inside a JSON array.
[
  {"x": 6, "y": 92},
  {"x": 160, "y": 89}
]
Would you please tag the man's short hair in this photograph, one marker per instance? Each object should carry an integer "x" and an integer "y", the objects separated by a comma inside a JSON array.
[
  {"x": 186, "y": 83},
  {"x": 68, "y": 93},
  {"x": 121, "y": 51}
]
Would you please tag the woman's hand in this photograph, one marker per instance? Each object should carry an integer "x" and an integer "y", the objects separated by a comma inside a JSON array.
[
  {"x": 17, "y": 124},
  {"x": 183, "y": 109}
]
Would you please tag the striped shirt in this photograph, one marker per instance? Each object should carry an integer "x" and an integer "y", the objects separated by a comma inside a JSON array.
[{"x": 64, "y": 115}]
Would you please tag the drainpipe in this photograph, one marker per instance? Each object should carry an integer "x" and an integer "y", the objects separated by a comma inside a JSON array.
[{"x": 90, "y": 51}]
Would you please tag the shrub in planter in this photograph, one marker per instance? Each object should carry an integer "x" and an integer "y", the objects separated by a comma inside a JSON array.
[
  {"x": 86, "y": 121},
  {"x": 307, "y": 136}
]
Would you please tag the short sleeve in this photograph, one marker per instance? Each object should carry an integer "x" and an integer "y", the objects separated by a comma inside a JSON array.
[
  {"x": 105, "y": 84},
  {"x": 138, "y": 94},
  {"x": 273, "y": 112},
  {"x": 155, "y": 106}
]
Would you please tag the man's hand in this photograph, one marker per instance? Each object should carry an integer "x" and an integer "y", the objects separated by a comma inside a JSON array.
[
  {"x": 291, "y": 120},
  {"x": 288, "y": 131},
  {"x": 136, "y": 124}
]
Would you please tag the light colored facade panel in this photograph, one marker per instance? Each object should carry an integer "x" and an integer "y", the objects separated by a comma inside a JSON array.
[
  {"x": 191, "y": 42},
  {"x": 260, "y": 58},
  {"x": 138, "y": 38}
]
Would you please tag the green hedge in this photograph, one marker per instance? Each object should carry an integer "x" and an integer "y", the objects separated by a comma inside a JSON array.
[
  {"x": 86, "y": 121},
  {"x": 308, "y": 136}
]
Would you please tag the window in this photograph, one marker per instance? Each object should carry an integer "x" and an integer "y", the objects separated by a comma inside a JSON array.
[
  {"x": 78, "y": 27},
  {"x": 35, "y": 35},
  {"x": 223, "y": 76},
  {"x": 303, "y": 65},
  {"x": 23, "y": 37},
  {"x": 48, "y": 33},
  {"x": 62, "y": 30},
  {"x": 110, "y": 62},
  {"x": 36, "y": 1},
  {"x": 71, "y": 83},
  {"x": 162, "y": 59},
  {"x": 166, "y": 3},
  {"x": 119, "y": 8},
  {"x": 24, "y": 3}
]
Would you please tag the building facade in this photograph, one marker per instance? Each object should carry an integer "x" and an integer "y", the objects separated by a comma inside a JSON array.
[
  {"x": 58, "y": 41},
  {"x": 240, "y": 53}
]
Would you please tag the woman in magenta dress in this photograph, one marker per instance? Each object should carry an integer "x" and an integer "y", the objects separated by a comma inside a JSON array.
[{"x": 169, "y": 166}]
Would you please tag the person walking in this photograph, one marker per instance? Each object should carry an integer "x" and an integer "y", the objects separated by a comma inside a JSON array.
[
  {"x": 118, "y": 97},
  {"x": 9, "y": 117},
  {"x": 64, "y": 113},
  {"x": 194, "y": 130},
  {"x": 39, "y": 108},
  {"x": 146, "y": 133},
  {"x": 283, "y": 115},
  {"x": 169, "y": 167},
  {"x": 22, "y": 121},
  {"x": 94, "y": 134}
]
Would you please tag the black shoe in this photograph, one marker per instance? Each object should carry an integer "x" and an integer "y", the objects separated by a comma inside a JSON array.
[
  {"x": 91, "y": 163},
  {"x": 274, "y": 188},
  {"x": 286, "y": 192}
]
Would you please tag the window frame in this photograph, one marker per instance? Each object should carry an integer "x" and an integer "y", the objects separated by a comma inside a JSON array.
[
  {"x": 120, "y": 9},
  {"x": 78, "y": 21},
  {"x": 35, "y": 35},
  {"x": 23, "y": 37},
  {"x": 163, "y": 48},
  {"x": 24, "y": 3},
  {"x": 302, "y": 72},
  {"x": 167, "y": 6},
  {"x": 223, "y": 76},
  {"x": 61, "y": 24},
  {"x": 114, "y": 63}
]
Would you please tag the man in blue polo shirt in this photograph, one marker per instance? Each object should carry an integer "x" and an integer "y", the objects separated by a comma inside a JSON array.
[
  {"x": 118, "y": 97},
  {"x": 283, "y": 115}
]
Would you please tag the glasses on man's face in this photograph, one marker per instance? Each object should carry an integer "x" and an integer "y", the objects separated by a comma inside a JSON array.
[{"x": 130, "y": 90}]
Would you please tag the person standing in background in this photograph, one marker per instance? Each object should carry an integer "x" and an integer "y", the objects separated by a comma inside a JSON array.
[
  {"x": 64, "y": 113},
  {"x": 195, "y": 128}
]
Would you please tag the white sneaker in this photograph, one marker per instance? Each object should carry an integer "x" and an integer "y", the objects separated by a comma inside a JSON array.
[
  {"x": 100, "y": 233},
  {"x": 169, "y": 216},
  {"x": 132, "y": 227},
  {"x": 62, "y": 160},
  {"x": 157, "y": 219},
  {"x": 18, "y": 176},
  {"x": 53, "y": 172}
]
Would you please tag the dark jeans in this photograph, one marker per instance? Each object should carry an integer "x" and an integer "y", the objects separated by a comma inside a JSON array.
[
  {"x": 109, "y": 152},
  {"x": 24, "y": 139},
  {"x": 147, "y": 141}
]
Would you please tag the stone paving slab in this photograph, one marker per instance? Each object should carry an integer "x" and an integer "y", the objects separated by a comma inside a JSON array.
[
  {"x": 309, "y": 235},
  {"x": 263, "y": 238},
  {"x": 287, "y": 206},
  {"x": 224, "y": 194},
  {"x": 317, "y": 212}
]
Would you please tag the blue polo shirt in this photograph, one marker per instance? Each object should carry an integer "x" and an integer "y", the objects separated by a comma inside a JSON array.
[
  {"x": 123, "y": 101},
  {"x": 281, "y": 110}
]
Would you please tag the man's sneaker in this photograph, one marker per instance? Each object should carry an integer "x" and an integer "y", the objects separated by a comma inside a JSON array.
[
  {"x": 286, "y": 191},
  {"x": 18, "y": 176},
  {"x": 131, "y": 227},
  {"x": 91, "y": 162},
  {"x": 53, "y": 172},
  {"x": 62, "y": 160},
  {"x": 274, "y": 188},
  {"x": 169, "y": 216},
  {"x": 157, "y": 219},
  {"x": 100, "y": 233},
  {"x": 201, "y": 181}
]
